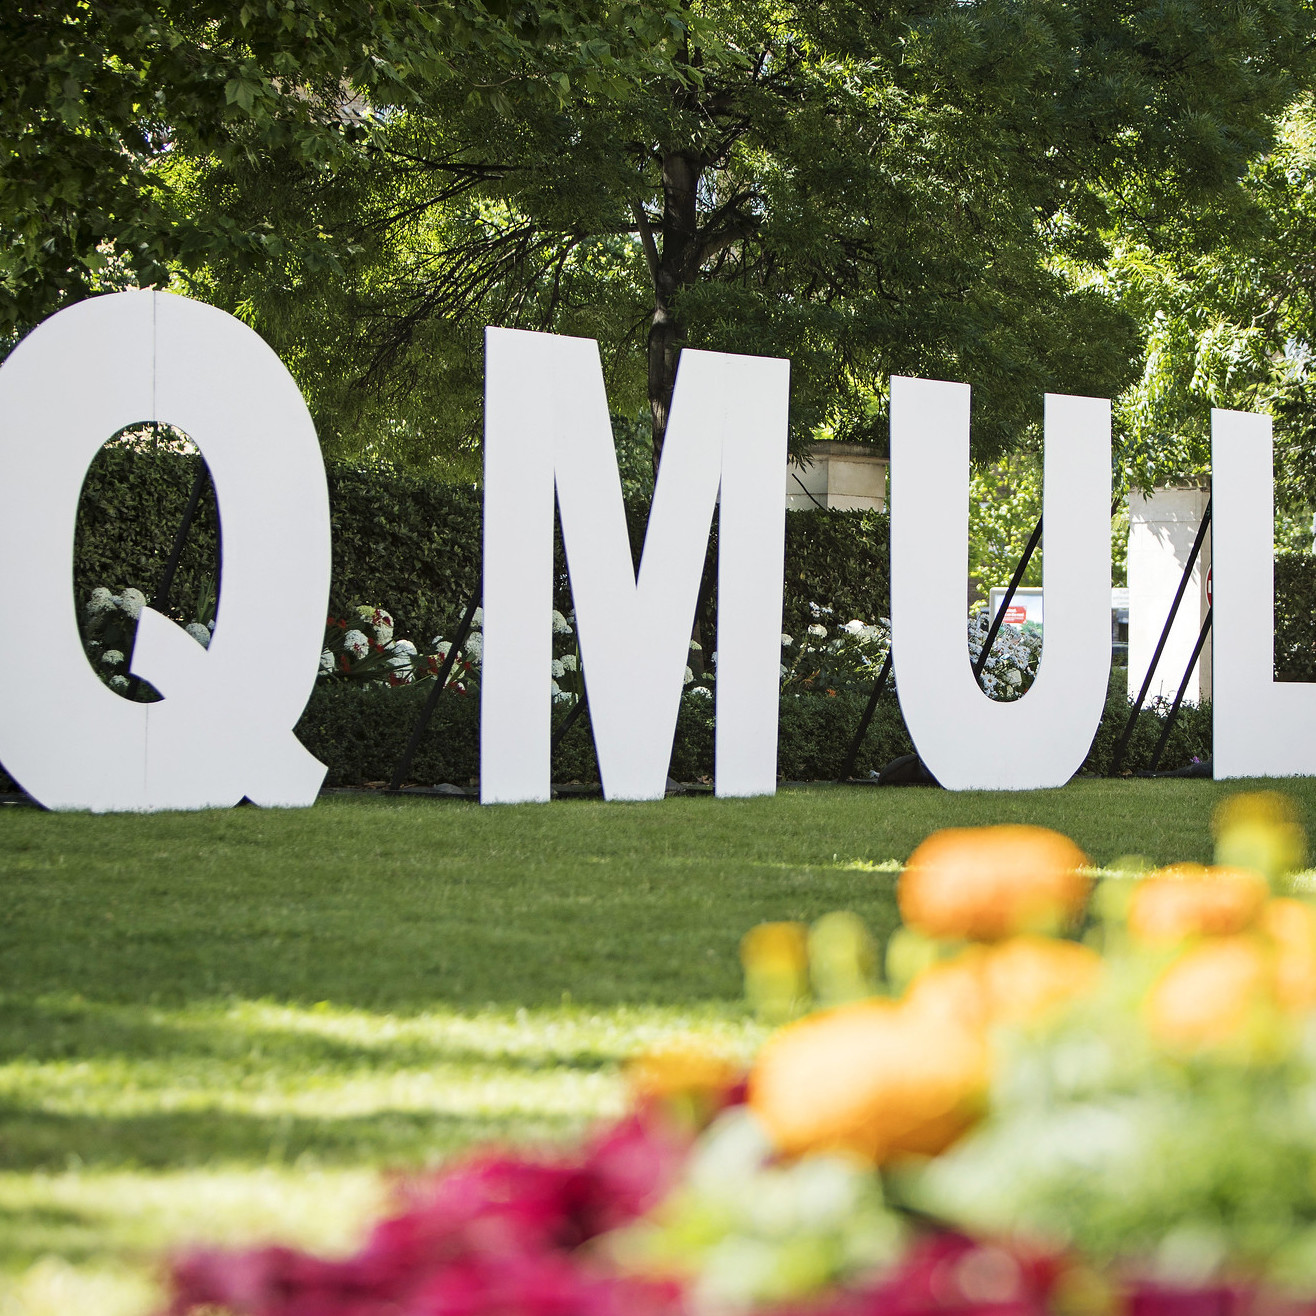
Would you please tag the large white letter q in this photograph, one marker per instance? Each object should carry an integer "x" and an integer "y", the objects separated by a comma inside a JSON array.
[{"x": 223, "y": 729}]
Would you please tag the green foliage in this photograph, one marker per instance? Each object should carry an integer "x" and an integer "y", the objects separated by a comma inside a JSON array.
[
  {"x": 1229, "y": 322},
  {"x": 863, "y": 191},
  {"x": 1295, "y": 616},
  {"x": 108, "y": 109},
  {"x": 1005, "y": 500},
  {"x": 1189, "y": 740},
  {"x": 841, "y": 560},
  {"x": 413, "y": 546},
  {"x": 133, "y": 501}
]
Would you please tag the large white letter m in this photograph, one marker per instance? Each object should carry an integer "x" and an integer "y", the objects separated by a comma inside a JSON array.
[{"x": 547, "y": 427}]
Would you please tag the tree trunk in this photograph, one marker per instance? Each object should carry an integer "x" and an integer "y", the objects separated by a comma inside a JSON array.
[{"x": 677, "y": 267}]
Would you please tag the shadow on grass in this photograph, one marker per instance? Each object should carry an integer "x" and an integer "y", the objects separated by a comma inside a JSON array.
[
  {"x": 44, "y": 1031},
  {"x": 41, "y": 1140}
]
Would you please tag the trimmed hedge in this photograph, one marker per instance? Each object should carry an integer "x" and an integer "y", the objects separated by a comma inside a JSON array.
[
  {"x": 361, "y": 731},
  {"x": 1295, "y": 617},
  {"x": 413, "y": 546}
]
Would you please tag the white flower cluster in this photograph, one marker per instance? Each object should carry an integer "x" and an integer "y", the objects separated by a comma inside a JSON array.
[
  {"x": 378, "y": 622},
  {"x": 102, "y": 603},
  {"x": 824, "y": 659},
  {"x": 110, "y": 627},
  {"x": 1012, "y": 664}
]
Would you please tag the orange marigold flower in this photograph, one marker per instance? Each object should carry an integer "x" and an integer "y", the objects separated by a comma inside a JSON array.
[
  {"x": 1017, "y": 981},
  {"x": 1187, "y": 900},
  {"x": 987, "y": 883},
  {"x": 873, "y": 1079},
  {"x": 1213, "y": 995},
  {"x": 1291, "y": 926}
]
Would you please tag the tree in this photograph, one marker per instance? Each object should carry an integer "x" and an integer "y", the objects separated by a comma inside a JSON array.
[
  {"x": 1232, "y": 326},
  {"x": 104, "y": 106},
  {"x": 921, "y": 188}
]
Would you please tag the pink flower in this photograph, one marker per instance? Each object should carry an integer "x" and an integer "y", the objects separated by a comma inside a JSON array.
[{"x": 495, "y": 1236}]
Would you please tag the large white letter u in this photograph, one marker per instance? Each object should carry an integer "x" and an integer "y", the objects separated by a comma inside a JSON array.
[{"x": 968, "y": 741}]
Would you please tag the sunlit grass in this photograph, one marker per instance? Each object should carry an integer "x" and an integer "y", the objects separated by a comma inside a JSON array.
[
  {"x": 254, "y": 1121},
  {"x": 232, "y": 1026}
]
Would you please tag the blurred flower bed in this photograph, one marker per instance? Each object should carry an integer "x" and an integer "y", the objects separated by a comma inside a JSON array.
[{"x": 1062, "y": 1096}]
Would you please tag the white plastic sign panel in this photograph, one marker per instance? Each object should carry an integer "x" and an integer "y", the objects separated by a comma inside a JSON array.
[
  {"x": 1262, "y": 727},
  {"x": 223, "y": 729},
  {"x": 547, "y": 426},
  {"x": 967, "y": 740}
]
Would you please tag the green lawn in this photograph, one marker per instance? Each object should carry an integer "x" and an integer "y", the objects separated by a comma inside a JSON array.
[{"x": 221, "y": 1025}]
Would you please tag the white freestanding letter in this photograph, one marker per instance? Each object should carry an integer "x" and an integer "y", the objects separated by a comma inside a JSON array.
[
  {"x": 1262, "y": 727},
  {"x": 968, "y": 741},
  {"x": 546, "y": 423},
  {"x": 224, "y": 726}
]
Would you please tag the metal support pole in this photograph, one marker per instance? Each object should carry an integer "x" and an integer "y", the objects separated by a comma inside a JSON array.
[
  {"x": 1183, "y": 686},
  {"x": 567, "y": 723},
  {"x": 166, "y": 587},
  {"x": 1122, "y": 744},
  {"x": 981, "y": 661},
  {"x": 440, "y": 683},
  {"x": 852, "y": 754}
]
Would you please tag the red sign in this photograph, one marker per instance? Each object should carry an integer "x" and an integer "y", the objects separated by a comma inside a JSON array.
[{"x": 1016, "y": 614}]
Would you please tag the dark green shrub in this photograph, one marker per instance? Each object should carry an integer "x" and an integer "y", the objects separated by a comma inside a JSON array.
[
  {"x": 1295, "y": 617},
  {"x": 413, "y": 546},
  {"x": 1189, "y": 740}
]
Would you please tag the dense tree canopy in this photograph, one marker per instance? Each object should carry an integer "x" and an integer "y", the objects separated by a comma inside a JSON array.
[
  {"x": 103, "y": 104},
  {"x": 964, "y": 190}
]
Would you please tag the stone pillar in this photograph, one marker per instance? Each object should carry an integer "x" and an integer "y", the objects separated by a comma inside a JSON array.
[
  {"x": 1162, "y": 527},
  {"x": 849, "y": 476}
]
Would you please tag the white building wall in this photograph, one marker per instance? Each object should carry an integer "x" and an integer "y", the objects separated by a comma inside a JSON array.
[{"x": 1162, "y": 527}]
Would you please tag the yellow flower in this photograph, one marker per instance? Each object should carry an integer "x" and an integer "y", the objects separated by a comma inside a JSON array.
[
  {"x": 775, "y": 957},
  {"x": 1259, "y": 830}
]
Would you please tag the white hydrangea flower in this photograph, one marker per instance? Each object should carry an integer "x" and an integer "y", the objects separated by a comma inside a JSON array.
[
  {"x": 786, "y": 640},
  {"x": 111, "y": 657},
  {"x": 475, "y": 646},
  {"x": 561, "y": 626},
  {"x": 688, "y": 678},
  {"x": 199, "y": 633},
  {"x": 568, "y": 662},
  {"x": 558, "y": 669},
  {"x": 854, "y": 626},
  {"x": 477, "y": 619},
  {"x": 702, "y": 691},
  {"x": 118, "y": 683},
  {"x": 1014, "y": 677},
  {"x": 101, "y": 600},
  {"x": 694, "y": 644},
  {"x": 355, "y": 643},
  {"x": 132, "y": 601},
  {"x": 326, "y": 662},
  {"x": 819, "y": 632},
  {"x": 404, "y": 647}
]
